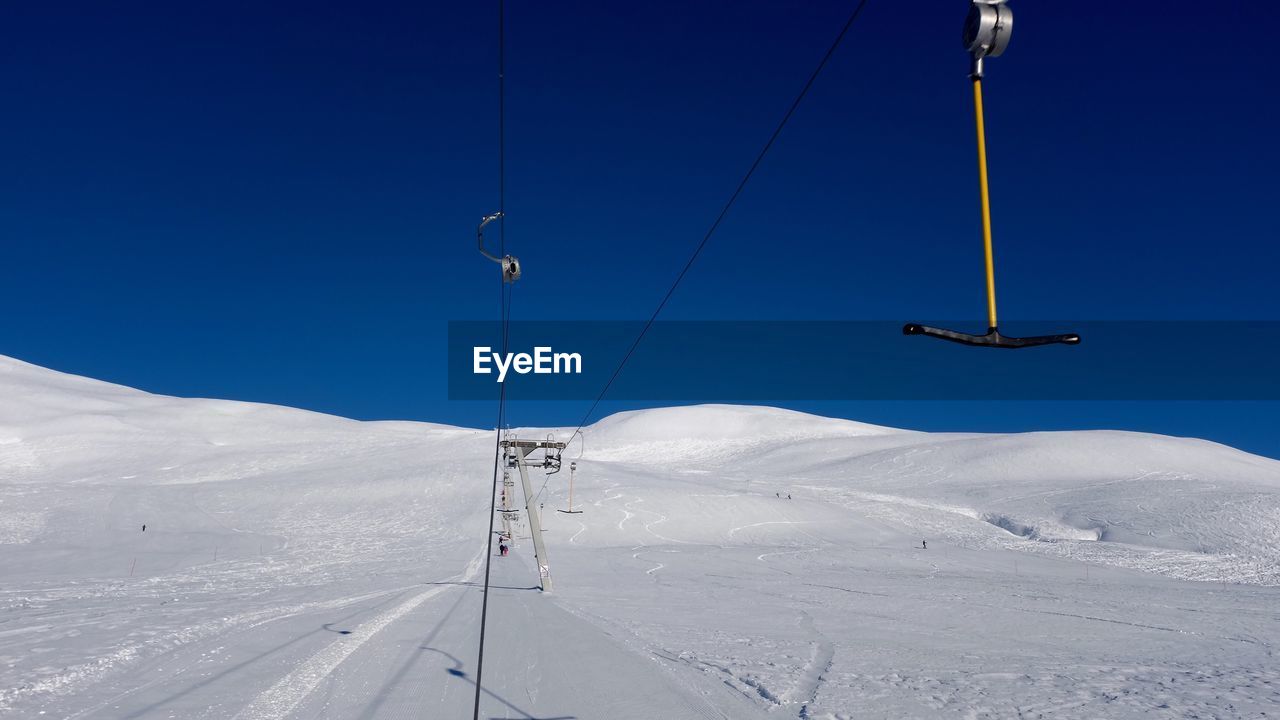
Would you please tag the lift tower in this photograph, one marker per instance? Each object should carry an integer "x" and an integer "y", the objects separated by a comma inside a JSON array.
[
  {"x": 516, "y": 453},
  {"x": 509, "y": 513}
]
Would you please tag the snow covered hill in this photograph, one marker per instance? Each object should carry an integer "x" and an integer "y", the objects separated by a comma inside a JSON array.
[
  {"x": 1179, "y": 506},
  {"x": 712, "y": 432},
  {"x": 729, "y": 562}
]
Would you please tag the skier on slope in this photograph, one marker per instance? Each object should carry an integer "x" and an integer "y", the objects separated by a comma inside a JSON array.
[
  {"x": 502, "y": 549},
  {"x": 924, "y": 544}
]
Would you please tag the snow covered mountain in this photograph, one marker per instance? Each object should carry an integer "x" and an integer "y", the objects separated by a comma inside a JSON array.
[
  {"x": 730, "y": 562},
  {"x": 1215, "y": 508}
]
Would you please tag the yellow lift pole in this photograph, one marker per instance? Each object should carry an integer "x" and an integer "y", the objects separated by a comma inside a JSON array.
[{"x": 986, "y": 204}]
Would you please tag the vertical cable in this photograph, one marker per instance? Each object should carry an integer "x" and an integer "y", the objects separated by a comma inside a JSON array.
[{"x": 504, "y": 312}]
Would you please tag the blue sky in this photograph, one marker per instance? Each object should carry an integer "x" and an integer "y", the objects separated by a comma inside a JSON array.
[{"x": 276, "y": 202}]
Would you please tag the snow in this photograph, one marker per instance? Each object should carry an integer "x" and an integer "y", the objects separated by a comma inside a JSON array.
[
  {"x": 711, "y": 432},
  {"x": 306, "y": 566}
]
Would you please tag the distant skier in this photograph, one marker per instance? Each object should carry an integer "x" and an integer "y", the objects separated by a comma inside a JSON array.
[
  {"x": 788, "y": 496},
  {"x": 502, "y": 549},
  {"x": 144, "y": 528},
  {"x": 924, "y": 544}
]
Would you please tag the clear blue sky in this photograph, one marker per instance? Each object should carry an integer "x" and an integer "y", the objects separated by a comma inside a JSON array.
[{"x": 277, "y": 201}]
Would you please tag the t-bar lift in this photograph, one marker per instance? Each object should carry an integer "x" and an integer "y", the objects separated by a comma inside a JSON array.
[{"x": 986, "y": 34}]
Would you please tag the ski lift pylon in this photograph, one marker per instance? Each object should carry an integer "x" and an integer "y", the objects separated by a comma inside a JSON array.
[{"x": 986, "y": 34}]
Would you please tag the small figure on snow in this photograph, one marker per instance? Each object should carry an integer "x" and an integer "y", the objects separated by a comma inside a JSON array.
[
  {"x": 144, "y": 528},
  {"x": 924, "y": 544},
  {"x": 502, "y": 549}
]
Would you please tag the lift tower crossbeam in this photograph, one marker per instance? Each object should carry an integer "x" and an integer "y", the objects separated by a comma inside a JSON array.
[{"x": 516, "y": 453}]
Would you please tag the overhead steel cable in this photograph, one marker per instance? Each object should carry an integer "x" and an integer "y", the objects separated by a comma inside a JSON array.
[
  {"x": 844, "y": 30},
  {"x": 504, "y": 312}
]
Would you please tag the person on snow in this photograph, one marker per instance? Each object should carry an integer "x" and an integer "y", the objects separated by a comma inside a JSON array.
[
  {"x": 502, "y": 549},
  {"x": 924, "y": 544}
]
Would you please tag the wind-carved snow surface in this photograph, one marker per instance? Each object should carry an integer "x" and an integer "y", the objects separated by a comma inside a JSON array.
[{"x": 728, "y": 562}]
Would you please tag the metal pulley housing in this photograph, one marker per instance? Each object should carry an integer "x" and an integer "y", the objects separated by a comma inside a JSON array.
[
  {"x": 510, "y": 269},
  {"x": 987, "y": 28}
]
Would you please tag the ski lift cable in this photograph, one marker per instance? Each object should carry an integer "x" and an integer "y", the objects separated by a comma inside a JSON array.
[
  {"x": 724, "y": 211},
  {"x": 493, "y": 505},
  {"x": 504, "y": 310}
]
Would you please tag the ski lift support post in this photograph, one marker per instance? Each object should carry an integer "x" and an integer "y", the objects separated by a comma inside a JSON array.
[
  {"x": 516, "y": 453},
  {"x": 986, "y": 34}
]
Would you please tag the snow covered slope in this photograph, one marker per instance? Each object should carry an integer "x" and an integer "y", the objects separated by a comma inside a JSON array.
[
  {"x": 59, "y": 427},
  {"x": 703, "y": 432},
  {"x": 729, "y": 562},
  {"x": 1179, "y": 506}
]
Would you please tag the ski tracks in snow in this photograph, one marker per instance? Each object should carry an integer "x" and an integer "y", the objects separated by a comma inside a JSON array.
[
  {"x": 288, "y": 692},
  {"x": 648, "y": 528},
  {"x": 734, "y": 531},
  {"x": 629, "y": 510},
  {"x": 805, "y": 690},
  {"x": 239, "y": 624}
]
